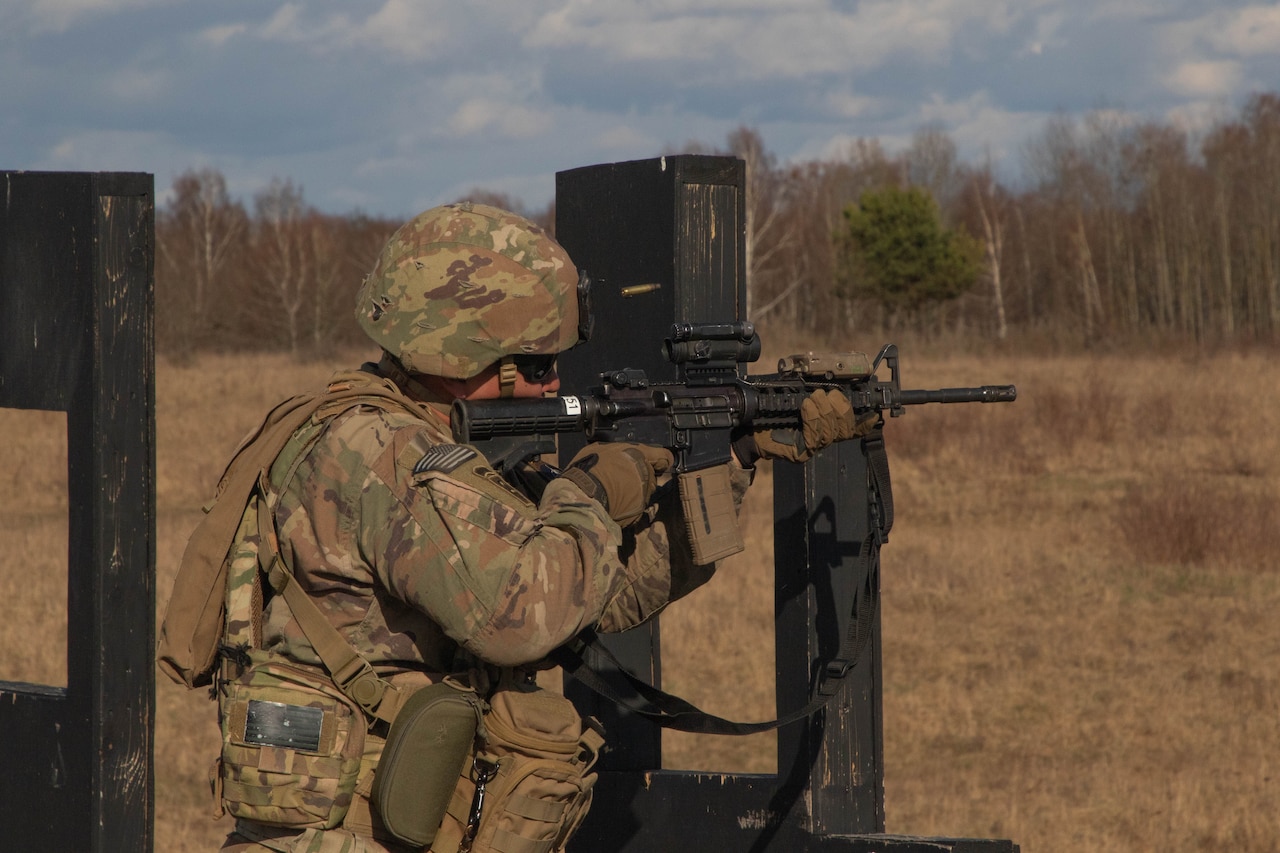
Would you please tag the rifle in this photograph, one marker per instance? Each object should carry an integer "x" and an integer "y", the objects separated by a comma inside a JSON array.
[{"x": 697, "y": 417}]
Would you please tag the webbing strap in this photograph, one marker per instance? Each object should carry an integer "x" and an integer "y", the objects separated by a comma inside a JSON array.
[
  {"x": 867, "y": 598},
  {"x": 660, "y": 707},
  {"x": 193, "y": 624},
  {"x": 352, "y": 674},
  {"x": 672, "y": 712},
  {"x": 547, "y": 811},
  {"x": 505, "y": 841}
]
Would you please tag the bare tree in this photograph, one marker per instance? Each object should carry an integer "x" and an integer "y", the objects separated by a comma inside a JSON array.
[
  {"x": 322, "y": 243},
  {"x": 286, "y": 263},
  {"x": 984, "y": 190},
  {"x": 932, "y": 162},
  {"x": 197, "y": 236}
]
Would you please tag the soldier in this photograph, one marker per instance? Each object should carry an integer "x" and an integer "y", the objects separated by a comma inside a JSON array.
[{"x": 377, "y": 556}]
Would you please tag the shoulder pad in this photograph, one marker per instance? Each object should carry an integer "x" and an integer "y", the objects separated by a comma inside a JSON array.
[{"x": 444, "y": 458}]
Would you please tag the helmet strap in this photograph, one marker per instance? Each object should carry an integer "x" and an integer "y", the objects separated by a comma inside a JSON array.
[
  {"x": 392, "y": 368},
  {"x": 507, "y": 378}
]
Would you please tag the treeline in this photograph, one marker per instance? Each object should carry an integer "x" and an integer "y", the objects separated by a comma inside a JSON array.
[
  {"x": 1116, "y": 231},
  {"x": 282, "y": 276}
]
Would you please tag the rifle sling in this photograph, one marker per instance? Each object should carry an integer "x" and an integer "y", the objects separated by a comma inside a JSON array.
[{"x": 672, "y": 712}]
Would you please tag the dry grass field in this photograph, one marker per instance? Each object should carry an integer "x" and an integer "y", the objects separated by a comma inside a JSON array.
[{"x": 1078, "y": 599}]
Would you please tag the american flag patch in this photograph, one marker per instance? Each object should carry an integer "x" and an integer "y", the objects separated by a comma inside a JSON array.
[{"x": 444, "y": 457}]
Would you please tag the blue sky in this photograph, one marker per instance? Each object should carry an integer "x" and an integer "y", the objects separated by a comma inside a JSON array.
[{"x": 391, "y": 106}]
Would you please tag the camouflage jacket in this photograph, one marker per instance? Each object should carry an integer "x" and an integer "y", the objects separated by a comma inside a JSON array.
[{"x": 414, "y": 549}]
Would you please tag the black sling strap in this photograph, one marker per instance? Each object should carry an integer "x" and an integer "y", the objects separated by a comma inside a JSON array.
[{"x": 672, "y": 712}]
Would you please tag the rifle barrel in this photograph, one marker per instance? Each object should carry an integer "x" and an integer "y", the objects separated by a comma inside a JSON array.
[{"x": 984, "y": 394}]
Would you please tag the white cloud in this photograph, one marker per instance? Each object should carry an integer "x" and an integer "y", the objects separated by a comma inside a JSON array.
[
  {"x": 410, "y": 29},
  {"x": 623, "y": 34},
  {"x": 1205, "y": 79},
  {"x": 407, "y": 30},
  {"x": 479, "y": 116},
  {"x": 292, "y": 23},
  {"x": 220, "y": 35},
  {"x": 979, "y": 126},
  {"x": 847, "y": 105},
  {"x": 1253, "y": 31},
  {"x": 287, "y": 88},
  {"x": 753, "y": 40},
  {"x": 287, "y": 25},
  {"x": 114, "y": 151},
  {"x": 1208, "y": 55},
  {"x": 56, "y": 16},
  {"x": 1046, "y": 34},
  {"x": 137, "y": 85},
  {"x": 727, "y": 42},
  {"x": 830, "y": 42},
  {"x": 624, "y": 137}
]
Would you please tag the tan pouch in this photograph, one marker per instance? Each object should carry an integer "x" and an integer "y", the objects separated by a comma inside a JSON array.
[
  {"x": 291, "y": 746},
  {"x": 706, "y": 498},
  {"x": 426, "y": 749},
  {"x": 528, "y": 785}
]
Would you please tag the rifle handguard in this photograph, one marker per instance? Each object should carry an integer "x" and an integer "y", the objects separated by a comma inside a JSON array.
[{"x": 826, "y": 417}]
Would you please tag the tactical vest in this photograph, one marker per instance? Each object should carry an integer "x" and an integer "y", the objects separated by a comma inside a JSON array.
[
  {"x": 193, "y": 627},
  {"x": 296, "y": 742}
]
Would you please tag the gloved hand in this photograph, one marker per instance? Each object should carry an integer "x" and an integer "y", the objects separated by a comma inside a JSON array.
[
  {"x": 825, "y": 416},
  {"x": 620, "y": 476}
]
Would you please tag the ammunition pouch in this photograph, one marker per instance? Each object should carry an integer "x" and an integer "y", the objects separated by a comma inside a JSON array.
[
  {"x": 291, "y": 746},
  {"x": 528, "y": 783}
]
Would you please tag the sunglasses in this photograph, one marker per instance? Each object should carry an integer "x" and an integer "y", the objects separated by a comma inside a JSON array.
[{"x": 535, "y": 368}]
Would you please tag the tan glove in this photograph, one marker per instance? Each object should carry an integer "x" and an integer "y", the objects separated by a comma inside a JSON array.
[
  {"x": 620, "y": 476},
  {"x": 825, "y": 416}
]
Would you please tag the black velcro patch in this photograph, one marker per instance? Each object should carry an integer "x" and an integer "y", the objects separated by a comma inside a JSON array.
[
  {"x": 285, "y": 726},
  {"x": 444, "y": 458}
]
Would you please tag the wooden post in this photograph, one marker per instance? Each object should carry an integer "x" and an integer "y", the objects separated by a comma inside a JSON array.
[
  {"x": 76, "y": 335},
  {"x": 678, "y": 223},
  {"x": 663, "y": 241}
]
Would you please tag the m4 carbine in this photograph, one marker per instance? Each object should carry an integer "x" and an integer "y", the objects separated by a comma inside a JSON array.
[{"x": 697, "y": 417}]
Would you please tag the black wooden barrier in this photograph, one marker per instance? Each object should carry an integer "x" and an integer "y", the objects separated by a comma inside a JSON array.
[
  {"x": 679, "y": 222},
  {"x": 76, "y": 275}
]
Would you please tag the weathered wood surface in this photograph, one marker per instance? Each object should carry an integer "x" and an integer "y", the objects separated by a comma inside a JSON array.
[{"x": 76, "y": 335}]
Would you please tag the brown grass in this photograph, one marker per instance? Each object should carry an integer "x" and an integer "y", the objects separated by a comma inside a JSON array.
[{"x": 1078, "y": 599}]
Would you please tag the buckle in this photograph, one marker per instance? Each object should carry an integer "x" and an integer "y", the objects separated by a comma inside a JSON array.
[
  {"x": 361, "y": 684},
  {"x": 833, "y": 677}
]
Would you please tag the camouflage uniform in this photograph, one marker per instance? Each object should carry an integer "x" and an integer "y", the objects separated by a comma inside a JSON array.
[
  {"x": 409, "y": 560},
  {"x": 423, "y": 570},
  {"x": 420, "y": 554}
]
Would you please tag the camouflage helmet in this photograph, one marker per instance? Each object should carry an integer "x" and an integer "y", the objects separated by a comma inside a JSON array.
[{"x": 462, "y": 286}]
